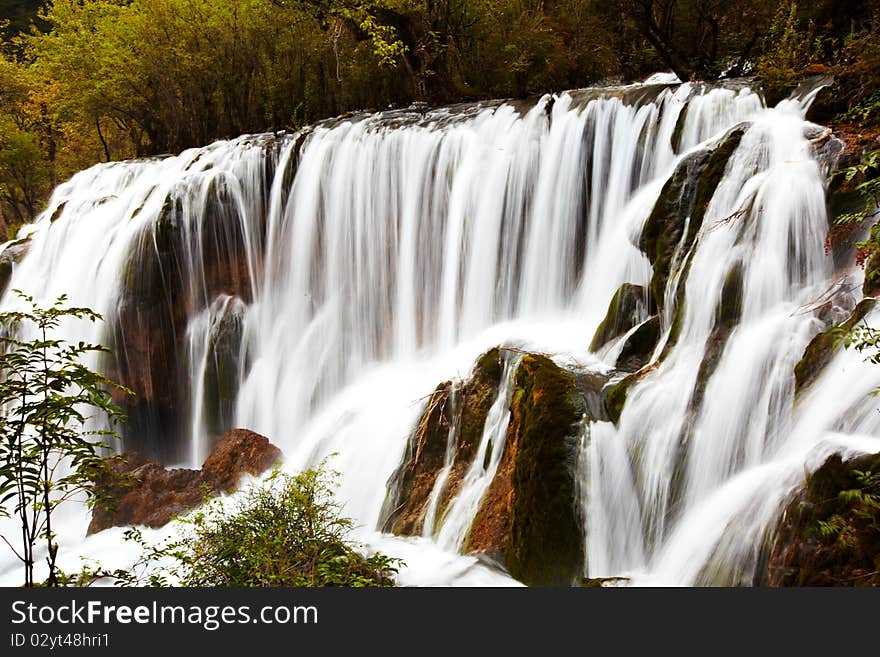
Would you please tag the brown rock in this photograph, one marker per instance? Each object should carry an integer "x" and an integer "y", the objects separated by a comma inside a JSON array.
[
  {"x": 462, "y": 410},
  {"x": 528, "y": 519},
  {"x": 238, "y": 452},
  {"x": 426, "y": 454},
  {"x": 143, "y": 492}
]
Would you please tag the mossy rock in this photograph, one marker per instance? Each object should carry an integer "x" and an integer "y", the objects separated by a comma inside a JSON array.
[
  {"x": 56, "y": 215},
  {"x": 829, "y": 532},
  {"x": 665, "y": 226},
  {"x": 9, "y": 258},
  {"x": 639, "y": 346},
  {"x": 546, "y": 538},
  {"x": 823, "y": 346},
  {"x": 676, "y": 325},
  {"x": 685, "y": 195},
  {"x": 472, "y": 403},
  {"x": 615, "y": 398},
  {"x": 629, "y": 306},
  {"x": 411, "y": 485},
  {"x": 476, "y": 398},
  {"x": 727, "y": 315},
  {"x": 730, "y": 305},
  {"x": 463, "y": 409},
  {"x": 679, "y": 128},
  {"x": 490, "y": 366}
]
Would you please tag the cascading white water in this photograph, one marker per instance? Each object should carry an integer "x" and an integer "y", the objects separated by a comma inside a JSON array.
[{"x": 366, "y": 260}]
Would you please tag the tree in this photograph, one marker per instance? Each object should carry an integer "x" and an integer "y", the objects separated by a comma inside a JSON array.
[
  {"x": 697, "y": 38},
  {"x": 54, "y": 411}
]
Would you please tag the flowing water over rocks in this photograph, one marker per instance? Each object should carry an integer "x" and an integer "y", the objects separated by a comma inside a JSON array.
[{"x": 649, "y": 259}]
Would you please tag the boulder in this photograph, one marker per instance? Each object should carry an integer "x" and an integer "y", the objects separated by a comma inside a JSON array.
[
  {"x": 528, "y": 520},
  {"x": 545, "y": 541},
  {"x": 673, "y": 224},
  {"x": 143, "y": 492},
  {"x": 829, "y": 532},
  {"x": 630, "y": 305},
  {"x": 9, "y": 258},
  {"x": 237, "y": 453}
]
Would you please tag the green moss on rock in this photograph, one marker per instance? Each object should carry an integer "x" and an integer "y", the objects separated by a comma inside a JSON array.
[
  {"x": 9, "y": 258},
  {"x": 630, "y": 305},
  {"x": 823, "y": 346},
  {"x": 546, "y": 540},
  {"x": 727, "y": 315},
  {"x": 665, "y": 227},
  {"x": 616, "y": 395},
  {"x": 462, "y": 409},
  {"x": 729, "y": 308},
  {"x": 474, "y": 401},
  {"x": 685, "y": 195},
  {"x": 712, "y": 176},
  {"x": 411, "y": 485},
  {"x": 639, "y": 346},
  {"x": 490, "y": 365}
]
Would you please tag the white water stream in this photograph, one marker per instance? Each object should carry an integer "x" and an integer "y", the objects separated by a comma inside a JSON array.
[{"x": 382, "y": 255}]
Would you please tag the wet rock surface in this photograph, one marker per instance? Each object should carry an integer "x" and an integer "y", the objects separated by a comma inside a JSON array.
[
  {"x": 145, "y": 493},
  {"x": 829, "y": 533}
]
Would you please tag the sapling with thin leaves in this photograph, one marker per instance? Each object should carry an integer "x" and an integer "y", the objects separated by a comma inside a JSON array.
[{"x": 57, "y": 415}]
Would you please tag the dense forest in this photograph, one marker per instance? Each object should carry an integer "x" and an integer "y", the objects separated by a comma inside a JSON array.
[{"x": 83, "y": 81}]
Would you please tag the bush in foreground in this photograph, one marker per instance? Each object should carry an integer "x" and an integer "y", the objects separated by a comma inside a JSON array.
[{"x": 286, "y": 531}]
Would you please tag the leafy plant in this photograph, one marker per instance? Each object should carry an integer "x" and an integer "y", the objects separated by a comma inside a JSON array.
[
  {"x": 866, "y": 184},
  {"x": 862, "y": 338},
  {"x": 789, "y": 49},
  {"x": 861, "y": 512},
  {"x": 53, "y": 408},
  {"x": 287, "y": 531}
]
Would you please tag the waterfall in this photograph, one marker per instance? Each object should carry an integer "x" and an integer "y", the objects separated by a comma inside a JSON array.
[{"x": 316, "y": 286}]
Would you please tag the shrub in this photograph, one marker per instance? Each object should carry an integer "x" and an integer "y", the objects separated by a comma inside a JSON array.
[
  {"x": 287, "y": 531},
  {"x": 788, "y": 51}
]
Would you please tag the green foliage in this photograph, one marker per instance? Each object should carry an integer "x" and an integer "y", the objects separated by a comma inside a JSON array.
[
  {"x": 789, "y": 48},
  {"x": 112, "y": 79},
  {"x": 863, "y": 179},
  {"x": 856, "y": 65},
  {"x": 287, "y": 531},
  {"x": 861, "y": 512},
  {"x": 54, "y": 411}
]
